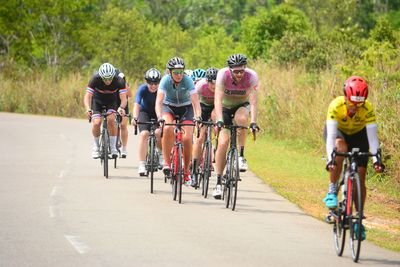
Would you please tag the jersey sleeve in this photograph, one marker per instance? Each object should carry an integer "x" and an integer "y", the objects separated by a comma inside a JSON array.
[
  {"x": 332, "y": 112},
  {"x": 139, "y": 95},
  {"x": 370, "y": 117},
  {"x": 254, "y": 80},
  {"x": 90, "y": 87}
]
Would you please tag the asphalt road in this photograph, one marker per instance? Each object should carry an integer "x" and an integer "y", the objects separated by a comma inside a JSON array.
[{"x": 56, "y": 209}]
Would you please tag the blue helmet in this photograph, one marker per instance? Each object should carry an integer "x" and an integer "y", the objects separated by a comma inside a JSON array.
[{"x": 198, "y": 74}]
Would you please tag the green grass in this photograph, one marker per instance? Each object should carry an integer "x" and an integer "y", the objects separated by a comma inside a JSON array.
[{"x": 298, "y": 173}]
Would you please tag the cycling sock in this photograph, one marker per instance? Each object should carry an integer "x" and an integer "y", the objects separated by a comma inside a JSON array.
[
  {"x": 332, "y": 188},
  {"x": 113, "y": 141},
  {"x": 194, "y": 165},
  {"x": 219, "y": 179},
  {"x": 97, "y": 141},
  {"x": 242, "y": 151}
]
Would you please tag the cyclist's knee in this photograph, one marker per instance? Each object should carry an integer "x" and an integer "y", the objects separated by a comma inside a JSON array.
[{"x": 341, "y": 145}]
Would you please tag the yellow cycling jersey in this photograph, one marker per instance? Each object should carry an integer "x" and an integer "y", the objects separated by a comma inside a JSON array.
[{"x": 350, "y": 125}]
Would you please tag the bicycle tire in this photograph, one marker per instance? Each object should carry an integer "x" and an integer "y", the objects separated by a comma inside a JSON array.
[
  {"x": 151, "y": 164},
  {"x": 356, "y": 218},
  {"x": 180, "y": 172},
  {"x": 174, "y": 180},
  {"x": 227, "y": 186},
  {"x": 235, "y": 177},
  {"x": 207, "y": 168},
  {"x": 118, "y": 145},
  {"x": 339, "y": 229},
  {"x": 104, "y": 152}
]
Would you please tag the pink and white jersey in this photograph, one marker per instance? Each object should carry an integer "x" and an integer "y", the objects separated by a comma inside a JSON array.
[
  {"x": 236, "y": 94},
  {"x": 206, "y": 96}
]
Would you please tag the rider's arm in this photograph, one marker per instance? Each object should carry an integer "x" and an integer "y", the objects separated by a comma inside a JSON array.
[
  {"x": 372, "y": 133},
  {"x": 219, "y": 94},
  {"x": 124, "y": 101},
  {"x": 253, "y": 104},
  {"x": 159, "y": 101},
  {"x": 194, "y": 97},
  {"x": 331, "y": 132},
  {"x": 87, "y": 100}
]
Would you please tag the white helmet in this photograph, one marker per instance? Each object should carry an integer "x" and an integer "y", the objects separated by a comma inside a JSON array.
[{"x": 107, "y": 71}]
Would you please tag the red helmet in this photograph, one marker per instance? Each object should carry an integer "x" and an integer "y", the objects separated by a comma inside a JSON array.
[{"x": 356, "y": 89}]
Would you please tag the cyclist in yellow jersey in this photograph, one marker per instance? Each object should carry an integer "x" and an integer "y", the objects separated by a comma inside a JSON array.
[{"x": 350, "y": 123}]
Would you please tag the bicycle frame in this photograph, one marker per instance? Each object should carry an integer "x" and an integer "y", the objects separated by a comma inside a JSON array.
[
  {"x": 177, "y": 161},
  {"x": 152, "y": 155}
]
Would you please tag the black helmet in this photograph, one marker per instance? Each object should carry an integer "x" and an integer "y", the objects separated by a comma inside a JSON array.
[
  {"x": 236, "y": 60},
  {"x": 211, "y": 74},
  {"x": 175, "y": 63},
  {"x": 153, "y": 75}
]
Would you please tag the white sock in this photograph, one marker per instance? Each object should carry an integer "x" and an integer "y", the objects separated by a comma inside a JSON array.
[
  {"x": 97, "y": 142},
  {"x": 113, "y": 141}
]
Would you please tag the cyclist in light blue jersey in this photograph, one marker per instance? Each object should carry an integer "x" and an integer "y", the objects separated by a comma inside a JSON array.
[{"x": 177, "y": 97}]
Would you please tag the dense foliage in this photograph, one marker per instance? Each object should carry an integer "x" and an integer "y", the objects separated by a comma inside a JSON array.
[{"x": 43, "y": 41}]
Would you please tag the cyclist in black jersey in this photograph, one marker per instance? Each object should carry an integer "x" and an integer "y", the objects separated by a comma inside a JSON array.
[{"x": 105, "y": 89}]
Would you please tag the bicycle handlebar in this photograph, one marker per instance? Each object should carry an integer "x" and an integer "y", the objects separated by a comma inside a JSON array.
[{"x": 356, "y": 153}]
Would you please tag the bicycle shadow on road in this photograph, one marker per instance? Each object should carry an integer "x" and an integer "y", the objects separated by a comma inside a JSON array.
[{"x": 380, "y": 262}]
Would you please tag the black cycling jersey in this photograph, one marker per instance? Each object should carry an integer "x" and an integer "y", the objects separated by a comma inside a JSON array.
[{"x": 106, "y": 95}]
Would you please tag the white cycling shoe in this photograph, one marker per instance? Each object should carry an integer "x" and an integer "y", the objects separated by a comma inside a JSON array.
[
  {"x": 95, "y": 152},
  {"x": 142, "y": 169},
  {"x": 123, "y": 153},
  {"x": 242, "y": 164},
  {"x": 217, "y": 193}
]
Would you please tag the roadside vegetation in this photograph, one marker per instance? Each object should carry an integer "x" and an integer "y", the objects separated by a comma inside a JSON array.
[{"x": 49, "y": 50}]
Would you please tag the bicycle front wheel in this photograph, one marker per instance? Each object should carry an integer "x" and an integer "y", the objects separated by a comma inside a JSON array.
[
  {"x": 104, "y": 151},
  {"x": 180, "y": 172},
  {"x": 151, "y": 163},
  {"x": 234, "y": 177},
  {"x": 174, "y": 178},
  {"x": 206, "y": 168},
  {"x": 355, "y": 218}
]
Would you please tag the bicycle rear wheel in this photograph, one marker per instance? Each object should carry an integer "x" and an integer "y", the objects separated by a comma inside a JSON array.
[
  {"x": 355, "y": 218},
  {"x": 339, "y": 229}
]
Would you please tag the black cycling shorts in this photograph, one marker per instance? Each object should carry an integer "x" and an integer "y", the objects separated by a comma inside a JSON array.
[
  {"x": 145, "y": 117},
  {"x": 184, "y": 113},
  {"x": 229, "y": 113},
  {"x": 206, "y": 111},
  {"x": 359, "y": 140},
  {"x": 110, "y": 103}
]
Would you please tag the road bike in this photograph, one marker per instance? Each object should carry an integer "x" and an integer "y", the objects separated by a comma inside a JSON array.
[
  {"x": 232, "y": 174},
  {"x": 177, "y": 167},
  {"x": 349, "y": 214},
  {"x": 152, "y": 157},
  {"x": 203, "y": 172}
]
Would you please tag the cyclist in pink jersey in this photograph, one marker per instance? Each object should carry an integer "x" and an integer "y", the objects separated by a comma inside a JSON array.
[
  {"x": 205, "y": 89},
  {"x": 235, "y": 101}
]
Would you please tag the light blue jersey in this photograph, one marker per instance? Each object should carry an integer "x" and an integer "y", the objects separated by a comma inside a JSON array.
[{"x": 177, "y": 95}]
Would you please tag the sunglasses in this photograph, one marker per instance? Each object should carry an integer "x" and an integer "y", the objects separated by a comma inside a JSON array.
[
  {"x": 107, "y": 79},
  {"x": 211, "y": 81},
  {"x": 351, "y": 104},
  {"x": 153, "y": 83},
  {"x": 237, "y": 71},
  {"x": 177, "y": 72}
]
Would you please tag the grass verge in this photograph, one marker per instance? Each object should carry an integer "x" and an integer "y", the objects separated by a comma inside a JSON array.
[{"x": 297, "y": 173}]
